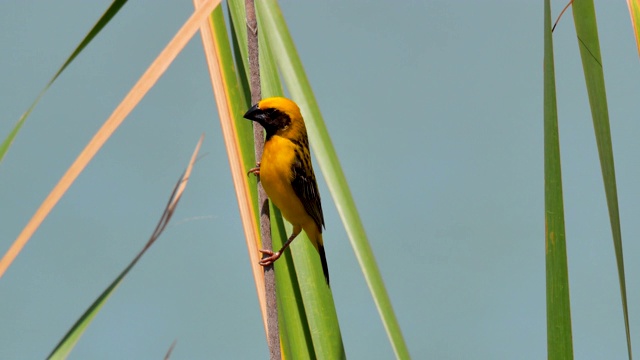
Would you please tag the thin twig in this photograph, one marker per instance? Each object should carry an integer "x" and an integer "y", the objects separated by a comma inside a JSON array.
[
  {"x": 273, "y": 333},
  {"x": 559, "y": 16},
  {"x": 168, "y": 354}
]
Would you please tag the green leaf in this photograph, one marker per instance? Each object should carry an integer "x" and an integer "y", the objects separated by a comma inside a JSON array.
[
  {"x": 584, "y": 16},
  {"x": 294, "y": 329},
  {"x": 292, "y": 279},
  {"x": 305, "y": 301},
  {"x": 70, "y": 340},
  {"x": 104, "y": 20},
  {"x": 559, "y": 338},
  {"x": 298, "y": 85}
]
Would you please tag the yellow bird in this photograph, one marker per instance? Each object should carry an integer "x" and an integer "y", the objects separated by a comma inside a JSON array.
[{"x": 286, "y": 173}]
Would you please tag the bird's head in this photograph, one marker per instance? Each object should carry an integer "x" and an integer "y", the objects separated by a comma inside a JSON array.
[{"x": 277, "y": 115}]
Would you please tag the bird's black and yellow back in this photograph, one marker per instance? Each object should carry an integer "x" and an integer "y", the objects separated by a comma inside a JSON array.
[{"x": 286, "y": 172}]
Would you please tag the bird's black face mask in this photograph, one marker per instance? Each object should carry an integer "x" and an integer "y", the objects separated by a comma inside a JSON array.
[{"x": 271, "y": 119}]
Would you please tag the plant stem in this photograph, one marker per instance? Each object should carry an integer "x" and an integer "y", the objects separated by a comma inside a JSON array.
[{"x": 273, "y": 333}]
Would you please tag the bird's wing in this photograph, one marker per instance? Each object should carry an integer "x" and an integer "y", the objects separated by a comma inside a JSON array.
[{"x": 304, "y": 185}]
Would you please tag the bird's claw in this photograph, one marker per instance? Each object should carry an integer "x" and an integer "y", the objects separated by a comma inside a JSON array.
[
  {"x": 271, "y": 257},
  {"x": 255, "y": 171}
]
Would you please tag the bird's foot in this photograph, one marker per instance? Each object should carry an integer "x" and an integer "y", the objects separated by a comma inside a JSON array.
[
  {"x": 271, "y": 257},
  {"x": 255, "y": 171}
]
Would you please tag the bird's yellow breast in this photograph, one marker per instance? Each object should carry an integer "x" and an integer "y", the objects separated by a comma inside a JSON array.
[{"x": 276, "y": 176}]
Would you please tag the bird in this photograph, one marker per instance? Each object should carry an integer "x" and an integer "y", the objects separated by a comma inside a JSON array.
[{"x": 286, "y": 173}]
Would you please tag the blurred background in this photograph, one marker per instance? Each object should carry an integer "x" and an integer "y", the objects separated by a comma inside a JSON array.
[{"x": 435, "y": 109}]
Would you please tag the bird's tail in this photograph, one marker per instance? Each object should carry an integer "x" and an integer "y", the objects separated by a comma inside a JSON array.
[{"x": 323, "y": 259}]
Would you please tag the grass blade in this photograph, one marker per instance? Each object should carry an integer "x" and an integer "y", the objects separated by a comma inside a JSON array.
[
  {"x": 113, "y": 9},
  {"x": 559, "y": 338},
  {"x": 318, "y": 311},
  {"x": 584, "y": 16},
  {"x": 292, "y": 275},
  {"x": 139, "y": 90},
  {"x": 70, "y": 340},
  {"x": 300, "y": 89},
  {"x": 231, "y": 95},
  {"x": 309, "y": 324}
]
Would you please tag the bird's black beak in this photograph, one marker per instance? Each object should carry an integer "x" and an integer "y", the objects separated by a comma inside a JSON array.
[{"x": 255, "y": 114}]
